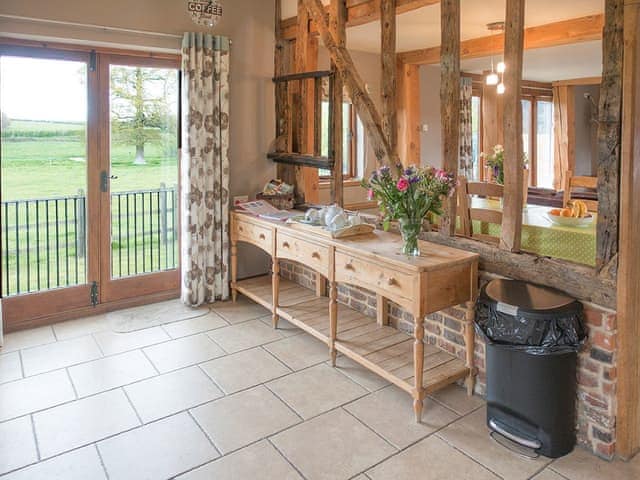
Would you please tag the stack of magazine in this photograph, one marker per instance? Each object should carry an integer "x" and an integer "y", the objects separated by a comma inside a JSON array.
[{"x": 263, "y": 209}]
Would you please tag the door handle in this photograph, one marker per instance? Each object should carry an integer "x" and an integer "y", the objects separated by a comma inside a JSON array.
[{"x": 104, "y": 180}]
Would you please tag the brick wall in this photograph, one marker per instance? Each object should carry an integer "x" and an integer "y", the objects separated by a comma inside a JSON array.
[{"x": 596, "y": 362}]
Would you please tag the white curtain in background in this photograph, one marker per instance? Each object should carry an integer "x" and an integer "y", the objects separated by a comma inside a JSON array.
[
  {"x": 466, "y": 132},
  {"x": 205, "y": 169}
]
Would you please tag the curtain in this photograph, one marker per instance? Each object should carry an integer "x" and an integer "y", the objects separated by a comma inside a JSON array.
[
  {"x": 562, "y": 97},
  {"x": 205, "y": 169},
  {"x": 466, "y": 132}
]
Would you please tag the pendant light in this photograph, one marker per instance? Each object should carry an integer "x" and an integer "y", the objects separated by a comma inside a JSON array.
[{"x": 492, "y": 78}]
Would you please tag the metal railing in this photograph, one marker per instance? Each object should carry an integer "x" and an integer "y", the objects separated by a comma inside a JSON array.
[{"x": 44, "y": 240}]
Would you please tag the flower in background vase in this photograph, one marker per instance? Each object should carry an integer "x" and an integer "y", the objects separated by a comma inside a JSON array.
[
  {"x": 409, "y": 196},
  {"x": 495, "y": 161}
]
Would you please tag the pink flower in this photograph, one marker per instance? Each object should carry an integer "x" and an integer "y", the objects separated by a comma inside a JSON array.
[
  {"x": 403, "y": 184},
  {"x": 370, "y": 194}
]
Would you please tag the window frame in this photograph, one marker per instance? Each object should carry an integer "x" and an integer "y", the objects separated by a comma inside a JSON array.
[
  {"x": 352, "y": 173},
  {"x": 534, "y": 98}
]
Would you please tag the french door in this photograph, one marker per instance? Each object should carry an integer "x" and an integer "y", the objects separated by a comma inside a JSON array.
[{"x": 89, "y": 168}]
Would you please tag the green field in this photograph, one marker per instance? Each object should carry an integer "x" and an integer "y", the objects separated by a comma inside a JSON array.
[{"x": 49, "y": 160}]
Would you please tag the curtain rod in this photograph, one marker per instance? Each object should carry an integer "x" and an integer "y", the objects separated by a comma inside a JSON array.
[{"x": 91, "y": 26}]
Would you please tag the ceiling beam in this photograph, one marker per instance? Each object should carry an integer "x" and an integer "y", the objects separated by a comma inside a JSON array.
[
  {"x": 359, "y": 12},
  {"x": 565, "y": 32}
]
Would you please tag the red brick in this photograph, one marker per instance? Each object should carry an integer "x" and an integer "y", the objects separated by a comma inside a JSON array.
[
  {"x": 610, "y": 373},
  {"x": 587, "y": 380},
  {"x": 610, "y": 322},
  {"x": 593, "y": 317},
  {"x": 596, "y": 402},
  {"x": 606, "y": 450},
  {"x": 609, "y": 388},
  {"x": 587, "y": 364},
  {"x": 603, "y": 340}
]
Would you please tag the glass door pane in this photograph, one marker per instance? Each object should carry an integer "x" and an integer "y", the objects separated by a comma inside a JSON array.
[
  {"x": 143, "y": 169},
  {"x": 44, "y": 173},
  {"x": 544, "y": 144}
]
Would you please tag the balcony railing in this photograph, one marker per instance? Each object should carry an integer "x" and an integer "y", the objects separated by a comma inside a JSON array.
[{"x": 44, "y": 240}]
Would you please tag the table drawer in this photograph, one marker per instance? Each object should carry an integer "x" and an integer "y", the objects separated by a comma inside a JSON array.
[
  {"x": 394, "y": 285},
  {"x": 259, "y": 236},
  {"x": 310, "y": 254}
]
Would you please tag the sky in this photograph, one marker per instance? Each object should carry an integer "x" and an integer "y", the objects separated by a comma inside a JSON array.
[{"x": 40, "y": 89}]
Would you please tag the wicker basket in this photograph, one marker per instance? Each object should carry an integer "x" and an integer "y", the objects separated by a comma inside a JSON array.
[{"x": 281, "y": 202}]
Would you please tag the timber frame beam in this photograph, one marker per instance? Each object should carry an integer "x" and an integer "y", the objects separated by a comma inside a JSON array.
[
  {"x": 566, "y": 32},
  {"x": 359, "y": 12}
]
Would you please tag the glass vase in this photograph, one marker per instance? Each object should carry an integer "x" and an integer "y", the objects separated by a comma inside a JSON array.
[{"x": 410, "y": 231}]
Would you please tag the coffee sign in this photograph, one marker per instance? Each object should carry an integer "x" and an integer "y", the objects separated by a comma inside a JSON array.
[{"x": 205, "y": 13}]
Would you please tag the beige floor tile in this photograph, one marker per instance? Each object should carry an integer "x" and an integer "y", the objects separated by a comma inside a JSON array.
[
  {"x": 241, "y": 311},
  {"x": 471, "y": 435},
  {"x": 85, "y": 421},
  {"x": 390, "y": 413},
  {"x": 359, "y": 374},
  {"x": 191, "y": 326},
  {"x": 316, "y": 390},
  {"x": 53, "y": 356},
  {"x": 548, "y": 474},
  {"x": 112, "y": 343},
  {"x": 157, "y": 451},
  {"x": 183, "y": 352},
  {"x": 110, "y": 372},
  {"x": 147, "y": 316},
  {"x": 431, "y": 459},
  {"x": 258, "y": 461},
  {"x": 81, "y": 464},
  {"x": 81, "y": 327},
  {"x": 244, "y": 369},
  {"x": 171, "y": 393},
  {"x": 332, "y": 446},
  {"x": 456, "y": 398},
  {"x": 10, "y": 368},
  {"x": 27, "y": 338},
  {"x": 286, "y": 328},
  {"x": 299, "y": 351},
  {"x": 244, "y": 335},
  {"x": 34, "y": 393},
  {"x": 583, "y": 465},
  {"x": 17, "y": 444},
  {"x": 238, "y": 420}
]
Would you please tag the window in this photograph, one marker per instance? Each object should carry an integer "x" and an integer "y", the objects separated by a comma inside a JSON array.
[
  {"x": 537, "y": 138},
  {"x": 352, "y": 130},
  {"x": 476, "y": 134}
]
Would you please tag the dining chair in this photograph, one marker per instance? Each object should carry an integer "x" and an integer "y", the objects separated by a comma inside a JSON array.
[
  {"x": 468, "y": 213},
  {"x": 585, "y": 184}
]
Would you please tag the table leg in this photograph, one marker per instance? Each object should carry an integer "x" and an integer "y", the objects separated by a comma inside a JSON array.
[
  {"x": 469, "y": 341},
  {"x": 418, "y": 365},
  {"x": 333, "y": 320},
  {"x": 234, "y": 269},
  {"x": 275, "y": 291}
]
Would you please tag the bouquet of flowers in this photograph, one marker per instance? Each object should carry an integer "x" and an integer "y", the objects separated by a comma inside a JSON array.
[
  {"x": 495, "y": 161},
  {"x": 408, "y": 197}
]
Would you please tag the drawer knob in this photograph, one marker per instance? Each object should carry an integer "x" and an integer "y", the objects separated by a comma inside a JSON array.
[
  {"x": 285, "y": 245},
  {"x": 261, "y": 236},
  {"x": 315, "y": 255},
  {"x": 349, "y": 266},
  {"x": 392, "y": 281}
]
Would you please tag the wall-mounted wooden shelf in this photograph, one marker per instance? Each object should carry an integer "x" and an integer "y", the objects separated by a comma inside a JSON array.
[{"x": 302, "y": 160}]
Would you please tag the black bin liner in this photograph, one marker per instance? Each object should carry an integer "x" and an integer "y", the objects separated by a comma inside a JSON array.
[{"x": 529, "y": 318}]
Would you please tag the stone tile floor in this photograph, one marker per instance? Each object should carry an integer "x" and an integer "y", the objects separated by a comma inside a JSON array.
[{"x": 221, "y": 395}]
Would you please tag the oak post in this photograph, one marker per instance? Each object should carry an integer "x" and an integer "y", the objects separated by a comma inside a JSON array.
[
  {"x": 275, "y": 288},
  {"x": 234, "y": 263},
  {"x": 389, "y": 72},
  {"x": 418, "y": 365},
  {"x": 609, "y": 131},
  {"x": 382, "y": 310},
  {"x": 408, "y": 106},
  {"x": 338, "y": 24},
  {"x": 513, "y": 149},
  {"x": 450, "y": 101},
  {"x": 628, "y": 387},
  {"x": 333, "y": 320}
]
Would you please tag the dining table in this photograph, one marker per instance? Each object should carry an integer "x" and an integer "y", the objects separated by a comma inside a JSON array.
[{"x": 540, "y": 235}]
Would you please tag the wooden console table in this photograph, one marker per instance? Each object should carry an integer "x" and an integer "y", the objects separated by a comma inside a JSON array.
[{"x": 440, "y": 278}]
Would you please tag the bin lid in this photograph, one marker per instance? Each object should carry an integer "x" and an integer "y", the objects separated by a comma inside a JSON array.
[{"x": 526, "y": 296}]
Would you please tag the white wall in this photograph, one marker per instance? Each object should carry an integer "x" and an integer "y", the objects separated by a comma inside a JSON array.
[
  {"x": 586, "y": 130},
  {"x": 430, "y": 142},
  {"x": 249, "y": 24}
]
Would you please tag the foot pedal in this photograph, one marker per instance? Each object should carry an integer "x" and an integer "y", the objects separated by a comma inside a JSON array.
[{"x": 513, "y": 446}]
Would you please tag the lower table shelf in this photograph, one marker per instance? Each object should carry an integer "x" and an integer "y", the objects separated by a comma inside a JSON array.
[{"x": 382, "y": 349}]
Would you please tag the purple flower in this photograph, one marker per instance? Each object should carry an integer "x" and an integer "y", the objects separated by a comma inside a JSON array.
[{"x": 414, "y": 179}]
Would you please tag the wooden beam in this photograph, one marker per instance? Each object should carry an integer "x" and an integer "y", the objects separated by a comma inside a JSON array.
[
  {"x": 492, "y": 121},
  {"x": 609, "y": 130},
  {"x": 389, "y": 72},
  {"x": 512, "y": 127},
  {"x": 564, "y": 132},
  {"x": 578, "y": 81},
  {"x": 338, "y": 24},
  {"x": 365, "y": 107},
  {"x": 282, "y": 66},
  {"x": 628, "y": 386},
  {"x": 359, "y": 12},
  {"x": 450, "y": 100},
  {"x": 408, "y": 100},
  {"x": 565, "y": 32}
]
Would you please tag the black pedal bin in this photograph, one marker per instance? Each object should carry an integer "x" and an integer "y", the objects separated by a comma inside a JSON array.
[{"x": 531, "y": 356}]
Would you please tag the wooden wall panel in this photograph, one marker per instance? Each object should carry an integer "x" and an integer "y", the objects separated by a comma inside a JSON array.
[{"x": 408, "y": 100}]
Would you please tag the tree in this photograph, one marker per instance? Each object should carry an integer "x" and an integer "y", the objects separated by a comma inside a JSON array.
[
  {"x": 140, "y": 105},
  {"x": 5, "y": 122}
]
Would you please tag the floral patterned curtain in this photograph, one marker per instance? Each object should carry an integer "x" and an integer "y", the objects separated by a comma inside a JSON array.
[
  {"x": 466, "y": 138},
  {"x": 205, "y": 169}
]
